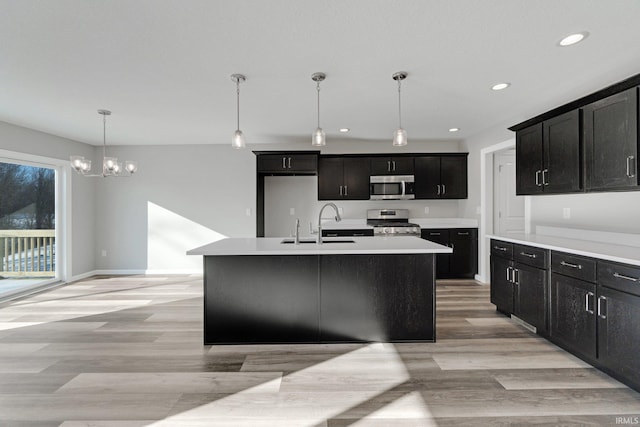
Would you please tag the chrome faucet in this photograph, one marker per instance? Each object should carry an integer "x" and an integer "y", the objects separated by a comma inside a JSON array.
[
  {"x": 296, "y": 239},
  {"x": 338, "y": 219}
]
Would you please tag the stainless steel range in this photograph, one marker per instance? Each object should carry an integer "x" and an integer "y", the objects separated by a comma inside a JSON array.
[{"x": 391, "y": 222}]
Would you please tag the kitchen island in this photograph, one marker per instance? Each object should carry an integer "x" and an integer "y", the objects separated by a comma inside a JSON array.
[{"x": 362, "y": 289}]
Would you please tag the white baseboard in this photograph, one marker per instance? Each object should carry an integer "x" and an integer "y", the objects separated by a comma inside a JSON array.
[{"x": 88, "y": 274}]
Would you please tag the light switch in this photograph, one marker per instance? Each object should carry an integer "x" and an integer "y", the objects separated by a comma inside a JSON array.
[
  {"x": 247, "y": 212},
  {"x": 292, "y": 211},
  {"x": 566, "y": 213},
  {"x": 426, "y": 210}
]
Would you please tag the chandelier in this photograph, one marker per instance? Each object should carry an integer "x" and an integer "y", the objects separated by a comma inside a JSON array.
[{"x": 110, "y": 165}]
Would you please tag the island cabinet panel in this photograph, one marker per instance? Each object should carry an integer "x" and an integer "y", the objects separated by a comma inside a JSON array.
[
  {"x": 377, "y": 298},
  {"x": 240, "y": 306}
]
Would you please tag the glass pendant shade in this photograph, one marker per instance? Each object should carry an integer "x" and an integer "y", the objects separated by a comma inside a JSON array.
[
  {"x": 318, "y": 139},
  {"x": 399, "y": 137},
  {"x": 131, "y": 166},
  {"x": 238, "y": 140}
]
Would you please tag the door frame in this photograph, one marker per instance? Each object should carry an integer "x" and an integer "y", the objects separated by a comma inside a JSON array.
[
  {"x": 486, "y": 207},
  {"x": 63, "y": 207}
]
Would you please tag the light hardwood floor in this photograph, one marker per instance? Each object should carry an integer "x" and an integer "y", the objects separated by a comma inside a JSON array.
[{"x": 127, "y": 351}]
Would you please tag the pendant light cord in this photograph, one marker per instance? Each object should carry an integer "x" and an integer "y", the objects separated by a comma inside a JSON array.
[
  {"x": 238, "y": 103},
  {"x": 399, "y": 105},
  {"x": 318, "y": 89},
  {"x": 104, "y": 136}
]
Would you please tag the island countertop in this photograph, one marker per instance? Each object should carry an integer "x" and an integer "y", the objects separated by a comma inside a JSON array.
[{"x": 360, "y": 245}]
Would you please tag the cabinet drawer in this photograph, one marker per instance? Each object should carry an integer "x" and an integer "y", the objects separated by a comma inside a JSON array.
[
  {"x": 577, "y": 266},
  {"x": 530, "y": 255},
  {"x": 501, "y": 249},
  {"x": 622, "y": 277}
]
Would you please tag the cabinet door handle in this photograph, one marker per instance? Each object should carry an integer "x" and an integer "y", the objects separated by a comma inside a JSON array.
[
  {"x": 346, "y": 190},
  {"x": 444, "y": 190},
  {"x": 284, "y": 163},
  {"x": 388, "y": 165},
  {"x": 622, "y": 276},
  {"x": 358, "y": 234},
  {"x": 341, "y": 190},
  {"x": 394, "y": 165},
  {"x": 529, "y": 255},
  {"x": 630, "y": 167},
  {"x": 438, "y": 187},
  {"x": 434, "y": 234},
  {"x": 509, "y": 274},
  {"x": 463, "y": 233},
  {"x": 500, "y": 248},
  {"x": 332, "y": 234},
  {"x": 516, "y": 276},
  {"x": 538, "y": 178},
  {"x": 544, "y": 177},
  {"x": 600, "y": 315},
  {"x": 568, "y": 264},
  {"x": 289, "y": 162},
  {"x": 587, "y": 303}
]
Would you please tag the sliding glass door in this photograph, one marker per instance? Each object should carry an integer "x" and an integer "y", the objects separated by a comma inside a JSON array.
[{"x": 27, "y": 226}]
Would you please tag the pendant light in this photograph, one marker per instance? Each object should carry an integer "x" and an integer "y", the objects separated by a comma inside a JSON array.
[
  {"x": 110, "y": 165},
  {"x": 400, "y": 135},
  {"x": 318, "y": 138},
  {"x": 238, "y": 137}
]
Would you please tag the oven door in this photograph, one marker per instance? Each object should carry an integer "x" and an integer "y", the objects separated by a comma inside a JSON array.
[{"x": 391, "y": 187}]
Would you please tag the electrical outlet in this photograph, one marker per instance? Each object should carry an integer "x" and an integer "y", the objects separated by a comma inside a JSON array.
[
  {"x": 292, "y": 211},
  {"x": 247, "y": 212},
  {"x": 566, "y": 213},
  {"x": 104, "y": 252},
  {"x": 426, "y": 210},
  {"x": 341, "y": 211},
  {"x": 478, "y": 210}
]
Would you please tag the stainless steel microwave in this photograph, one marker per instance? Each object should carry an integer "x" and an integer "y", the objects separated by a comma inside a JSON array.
[{"x": 392, "y": 187}]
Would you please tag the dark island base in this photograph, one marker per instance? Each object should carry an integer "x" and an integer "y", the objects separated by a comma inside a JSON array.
[{"x": 319, "y": 298}]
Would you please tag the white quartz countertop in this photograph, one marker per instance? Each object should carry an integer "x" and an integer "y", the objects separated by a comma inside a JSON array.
[
  {"x": 359, "y": 224},
  {"x": 361, "y": 245},
  {"x": 606, "y": 251}
]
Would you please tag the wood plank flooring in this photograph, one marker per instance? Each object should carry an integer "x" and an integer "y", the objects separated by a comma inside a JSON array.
[{"x": 127, "y": 351}]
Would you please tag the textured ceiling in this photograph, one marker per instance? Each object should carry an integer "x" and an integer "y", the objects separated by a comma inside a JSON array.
[{"x": 163, "y": 66}]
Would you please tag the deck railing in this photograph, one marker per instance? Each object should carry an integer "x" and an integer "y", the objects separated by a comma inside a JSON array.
[{"x": 27, "y": 253}]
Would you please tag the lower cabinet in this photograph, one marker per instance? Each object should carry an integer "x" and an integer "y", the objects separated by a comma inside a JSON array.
[
  {"x": 463, "y": 262},
  {"x": 519, "y": 282},
  {"x": 573, "y": 319}
]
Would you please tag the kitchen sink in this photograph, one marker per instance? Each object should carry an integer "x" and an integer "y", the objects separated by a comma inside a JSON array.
[{"x": 325, "y": 240}]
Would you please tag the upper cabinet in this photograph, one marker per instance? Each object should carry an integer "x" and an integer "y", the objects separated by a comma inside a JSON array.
[
  {"x": 343, "y": 178},
  {"x": 548, "y": 156},
  {"x": 590, "y": 144},
  {"x": 392, "y": 166},
  {"x": 288, "y": 163},
  {"x": 611, "y": 141},
  {"x": 441, "y": 176}
]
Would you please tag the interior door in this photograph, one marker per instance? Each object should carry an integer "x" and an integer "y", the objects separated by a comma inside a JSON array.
[{"x": 508, "y": 208}]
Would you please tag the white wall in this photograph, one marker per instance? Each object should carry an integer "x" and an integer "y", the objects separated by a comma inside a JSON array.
[
  {"x": 182, "y": 197},
  {"x": 615, "y": 212},
  {"x": 22, "y": 140}
]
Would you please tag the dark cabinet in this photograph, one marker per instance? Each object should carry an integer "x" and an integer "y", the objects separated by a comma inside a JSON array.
[
  {"x": 519, "y": 282},
  {"x": 548, "y": 156},
  {"x": 392, "y": 165},
  {"x": 611, "y": 142},
  {"x": 573, "y": 320},
  {"x": 441, "y": 177},
  {"x": 343, "y": 178},
  {"x": 618, "y": 317},
  {"x": 463, "y": 262},
  {"x": 501, "y": 285},
  {"x": 287, "y": 163}
]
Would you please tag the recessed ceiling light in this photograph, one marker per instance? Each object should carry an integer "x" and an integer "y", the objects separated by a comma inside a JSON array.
[
  {"x": 454, "y": 130},
  {"x": 500, "y": 86},
  {"x": 572, "y": 39},
  {"x": 344, "y": 130}
]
